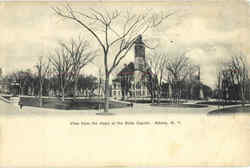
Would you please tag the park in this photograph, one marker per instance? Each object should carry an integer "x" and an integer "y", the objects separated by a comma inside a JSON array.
[
  {"x": 173, "y": 133},
  {"x": 102, "y": 84},
  {"x": 154, "y": 75}
]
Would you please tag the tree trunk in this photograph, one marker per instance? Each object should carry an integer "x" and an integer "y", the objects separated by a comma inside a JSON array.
[
  {"x": 106, "y": 98},
  {"x": 242, "y": 96},
  {"x": 158, "y": 94},
  {"x": 40, "y": 95},
  {"x": 75, "y": 89},
  {"x": 63, "y": 94},
  {"x": 99, "y": 88}
]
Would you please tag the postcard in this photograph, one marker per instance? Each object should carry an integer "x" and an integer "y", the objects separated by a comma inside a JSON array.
[{"x": 125, "y": 83}]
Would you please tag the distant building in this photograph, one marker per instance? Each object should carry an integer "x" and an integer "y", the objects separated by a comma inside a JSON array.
[
  {"x": 7, "y": 87},
  {"x": 4, "y": 87},
  {"x": 130, "y": 81},
  {"x": 197, "y": 87},
  {"x": 136, "y": 80}
]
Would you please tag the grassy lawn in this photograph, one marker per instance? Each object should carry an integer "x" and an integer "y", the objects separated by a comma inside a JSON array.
[
  {"x": 69, "y": 103},
  {"x": 148, "y": 100},
  {"x": 231, "y": 110},
  {"x": 219, "y": 103},
  {"x": 180, "y": 105}
]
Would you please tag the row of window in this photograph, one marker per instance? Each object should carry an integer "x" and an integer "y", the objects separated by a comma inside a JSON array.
[
  {"x": 118, "y": 93},
  {"x": 138, "y": 93},
  {"x": 138, "y": 86}
]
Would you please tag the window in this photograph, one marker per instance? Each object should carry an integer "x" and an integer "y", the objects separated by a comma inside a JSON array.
[{"x": 140, "y": 66}]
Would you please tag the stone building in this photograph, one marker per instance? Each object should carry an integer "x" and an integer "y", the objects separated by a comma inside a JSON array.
[
  {"x": 136, "y": 80},
  {"x": 130, "y": 81}
]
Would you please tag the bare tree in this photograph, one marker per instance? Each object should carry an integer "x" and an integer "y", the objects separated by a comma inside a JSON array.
[
  {"x": 62, "y": 64},
  {"x": 157, "y": 62},
  {"x": 232, "y": 77},
  {"x": 80, "y": 57},
  {"x": 50, "y": 75},
  {"x": 178, "y": 68},
  {"x": 112, "y": 39},
  {"x": 220, "y": 67},
  {"x": 42, "y": 71},
  {"x": 239, "y": 72}
]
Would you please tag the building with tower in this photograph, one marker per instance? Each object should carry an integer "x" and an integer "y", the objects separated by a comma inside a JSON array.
[
  {"x": 136, "y": 80},
  {"x": 130, "y": 81}
]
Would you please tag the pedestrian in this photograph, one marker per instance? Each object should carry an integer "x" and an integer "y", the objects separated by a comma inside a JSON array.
[{"x": 20, "y": 104}]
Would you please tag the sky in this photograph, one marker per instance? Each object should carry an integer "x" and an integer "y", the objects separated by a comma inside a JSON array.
[{"x": 207, "y": 31}]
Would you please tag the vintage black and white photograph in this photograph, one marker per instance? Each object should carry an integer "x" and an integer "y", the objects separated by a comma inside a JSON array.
[{"x": 125, "y": 83}]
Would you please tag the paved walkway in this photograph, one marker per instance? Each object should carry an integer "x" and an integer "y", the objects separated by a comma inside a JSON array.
[
  {"x": 7, "y": 107},
  {"x": 137, "y": 108}
]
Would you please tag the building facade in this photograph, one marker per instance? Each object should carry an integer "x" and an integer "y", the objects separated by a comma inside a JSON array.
[
  {"x": 130, "y": 81},
  {"x": 136, "y": 80}
]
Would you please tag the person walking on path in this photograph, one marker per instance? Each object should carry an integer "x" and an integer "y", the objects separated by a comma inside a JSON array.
[{"x": 20, "y": 104}]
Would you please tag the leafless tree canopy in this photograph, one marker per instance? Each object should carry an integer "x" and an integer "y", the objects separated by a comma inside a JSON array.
[
  {"x": 115, "y": 31},
  {"x": 69, "y": 59},
  {"x": 80, "y": 56},
  {"x": 79, "y": 53},
  {"x": 157, "y": 61},
  {"x": 178, "y": 67},
  {"x": 233, "y": 73},
  {"x": 238, "y": 67},
  {"x": 62, "y": 64},
  {"x": 112, "y": 35},
  {"x": 43, "y": 70},
  {"x": 239, "y": 72}
]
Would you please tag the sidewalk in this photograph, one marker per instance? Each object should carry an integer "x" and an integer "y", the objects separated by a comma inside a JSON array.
[{"x": 4, "y": 99}]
